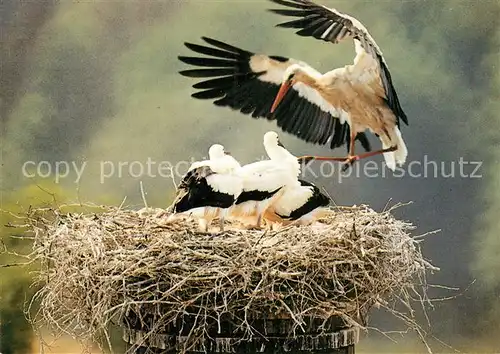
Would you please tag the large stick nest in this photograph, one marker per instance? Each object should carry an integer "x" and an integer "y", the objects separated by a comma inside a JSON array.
[{"x": 99, "y": 268}]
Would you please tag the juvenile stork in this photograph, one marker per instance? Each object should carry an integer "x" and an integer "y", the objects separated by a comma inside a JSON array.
[
  {"x": 302, "y": 203},
  {"x": 335, "y": 107},
  {"x": 209, "y": 188},
  {"x": 263, "y": 181}
]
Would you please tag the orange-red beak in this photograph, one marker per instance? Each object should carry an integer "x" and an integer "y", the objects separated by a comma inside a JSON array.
[{"x": 281, "y": 93}]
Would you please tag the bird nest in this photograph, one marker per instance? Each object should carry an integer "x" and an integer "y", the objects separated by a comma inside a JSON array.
[{"x": 108, "y": 267}]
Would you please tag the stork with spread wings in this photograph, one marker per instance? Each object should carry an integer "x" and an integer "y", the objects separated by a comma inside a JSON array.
[{"x": 334, "y": 108}]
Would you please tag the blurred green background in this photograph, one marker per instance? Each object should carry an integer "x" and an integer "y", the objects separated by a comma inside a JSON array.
[{"x": 97, "y": 83}]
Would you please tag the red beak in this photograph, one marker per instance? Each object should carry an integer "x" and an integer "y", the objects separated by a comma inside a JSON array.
[{"x": 281, "y": 93}]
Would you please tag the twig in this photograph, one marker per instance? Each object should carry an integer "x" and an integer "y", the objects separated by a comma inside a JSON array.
[{"x": 143, "y": 195}]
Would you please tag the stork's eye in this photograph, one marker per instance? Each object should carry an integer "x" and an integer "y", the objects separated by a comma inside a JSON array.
[{"x": 291, "y": 76}]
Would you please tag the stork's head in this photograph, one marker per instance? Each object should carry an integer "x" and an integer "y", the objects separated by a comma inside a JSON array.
[
  {"x": 291, "y": 73},
  {"x": 271, "y": 139},
  {"x": 289, "y": 79},
  {"x": 216, "y": 151}
]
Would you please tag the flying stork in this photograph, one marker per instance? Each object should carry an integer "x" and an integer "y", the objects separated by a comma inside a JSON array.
[{"x": 334, "y": 108}]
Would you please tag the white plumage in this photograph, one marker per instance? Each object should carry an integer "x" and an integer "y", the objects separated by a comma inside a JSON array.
[
  {"x": 263, "y": 181},
  {"x": 218, "y": 159},
  {"x": 292, "y": 199}
]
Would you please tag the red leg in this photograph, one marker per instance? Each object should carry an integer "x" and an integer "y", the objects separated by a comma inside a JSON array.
[
  {"x": 351, "y": 145},
  {"x": 308, "y": 158},
  {"x": 378, "y": 152},
  {"x": 349, "y": 158}
]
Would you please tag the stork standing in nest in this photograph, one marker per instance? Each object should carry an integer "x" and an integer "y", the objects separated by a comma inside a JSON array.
[
  {"x": 335, "y": 107},
  {"x": 263, "y": 181},
  {"x": 299, "y": 201},
  {"x": 209, "y": 188}
]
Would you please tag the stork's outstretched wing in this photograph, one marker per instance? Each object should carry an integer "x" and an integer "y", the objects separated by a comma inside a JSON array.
[
  {"x": 249, "y": 82},
  {"x": 330, "y": 25}
]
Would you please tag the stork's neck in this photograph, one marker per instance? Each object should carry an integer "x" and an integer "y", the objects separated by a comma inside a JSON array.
[
  {"x": 277, "y": 153},
  {"x": 283, "y": 156},
  {"x": 230, "y": 162}
]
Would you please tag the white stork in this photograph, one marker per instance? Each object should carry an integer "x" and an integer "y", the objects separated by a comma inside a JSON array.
[
  {"x": 263, "y": 181},
  {"x": 302, "y": 203},
  {"x": 335, "y": 107},
  {"x": 209, "y": 188}
]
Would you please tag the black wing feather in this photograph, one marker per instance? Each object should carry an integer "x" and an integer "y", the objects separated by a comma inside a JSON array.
[
  {"x": 218, "y": 63},
  {"x": 226, "y": 46},
  {"x": 300, "y": 23},
  {"x": 321, "y": 29},
  {"x": 206, "y": 72},
  {"x": 363, "y": 139},
  {"x": 295, "y": 117},
  {"x": 219, "y": 82},
  {"x": 287, "y": 12},
  {"x": 315, "y": 132},
  {"x": 211, "y": 51},
  {"x": 208, "y": 94},
  {"x": 290, "y": 4},
  {"x": 311, "y": 27},
  {"x": 322, "y": 126},
  {"x": 335, "y": 31}
]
